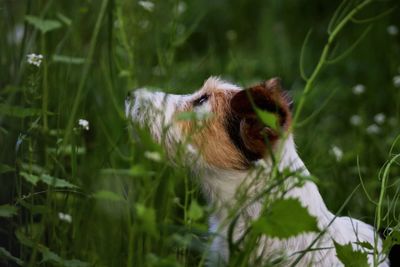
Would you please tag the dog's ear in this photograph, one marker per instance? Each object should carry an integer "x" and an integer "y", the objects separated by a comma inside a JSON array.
[{"x": 267, "y": 96}]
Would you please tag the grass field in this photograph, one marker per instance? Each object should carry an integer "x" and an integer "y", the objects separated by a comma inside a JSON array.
[{"x": 73, "y": 194}]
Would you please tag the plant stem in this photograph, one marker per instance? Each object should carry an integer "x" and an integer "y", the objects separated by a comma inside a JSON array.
[{"x": 323, "y": 57}]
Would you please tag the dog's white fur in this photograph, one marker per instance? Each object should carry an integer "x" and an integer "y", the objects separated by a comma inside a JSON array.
[{"x": 221, "y": 186}]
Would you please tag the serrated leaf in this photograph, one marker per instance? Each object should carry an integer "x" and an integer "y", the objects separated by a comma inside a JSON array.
[
  {"x": 393, "y": 238},
  {"x": 195, "y": 211},
  {"x": 268, "y": 118},
  {"x": 47, "y": 179},
  {"x": 31, "y": 178},
  {"x": 350, "y": 257},
  {"x": 5, "y": 168},
  {"x": 68, "y": 59},
  {"x": 107, "y": 195},
  {"x": 43, "y": 25},
  {"x": 56, "y": 182},
  {"x": 8, "y": 211},
  {"x": 19, "y": 112},
  {"x": 5, "y": 254},
  {"x": 286, "y": 218},
  {"x": 365, "y": 245}
]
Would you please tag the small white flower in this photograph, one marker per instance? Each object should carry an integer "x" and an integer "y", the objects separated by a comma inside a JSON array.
[
  {"x": 337, "y": 152},
  {"x": 84, "y": 124},
  {"x": 396, "y": 81},
  {"x": 65, "y": 217},
  {"x": 358, "y": 89},
  {"x": 181, "y": 7},
  {"x": 379, "y": 118},
  {"x": 147, "y": 5},
  {"x": 373, "y": 129},
  {"x": 355, "y": 120},
  {"x": 153, "y": 155},
  {"x": 392, "y": 30},
  {"x": 34, "y": 59}
]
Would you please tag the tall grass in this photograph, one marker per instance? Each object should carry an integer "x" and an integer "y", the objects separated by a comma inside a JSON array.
[{"x": 102, "y": 197}]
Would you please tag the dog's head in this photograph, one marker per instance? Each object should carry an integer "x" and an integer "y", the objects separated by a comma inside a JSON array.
[{"x": 232, "y": 136}]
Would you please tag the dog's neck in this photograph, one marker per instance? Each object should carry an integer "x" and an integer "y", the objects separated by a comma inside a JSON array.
[{"x": 222, "y": 187}]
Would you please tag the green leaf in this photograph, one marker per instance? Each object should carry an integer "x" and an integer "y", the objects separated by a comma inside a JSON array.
[
  {"x": 56, "y": 182},
  {"x": 8, "y": 211},
  {"x": 31, "y": 178},
  {"x": 286, "y": 218},
  {"x": 107, "y": 195},
  {"x": 195, "y": 211},
  {"x": 68, "y": 59},
  {"x": 365, "y": 245},
  {"x": 186, "y": 116},
  {"x": 47, "y": 179},
  {"x": 43, "y": 25},
  {"x": 5, "y": 168},
  {"x": 350, "y": 257},
  {"x": 393, "y": 238},
  {"x": 7, "y": 255},
  {"x": 268, "y": 118},
  {"x": 67, "y": 21},
  {"x": 50, "y": 256},
  {"x": 18, "y": 112},
  {"x": 147, "y": 217}
]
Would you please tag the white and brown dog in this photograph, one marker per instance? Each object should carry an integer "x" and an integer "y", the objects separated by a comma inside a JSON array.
[{"x": 227, "y": 147}]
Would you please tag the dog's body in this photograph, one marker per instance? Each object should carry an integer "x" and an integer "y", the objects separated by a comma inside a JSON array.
[{"x": 228, "y": 146}]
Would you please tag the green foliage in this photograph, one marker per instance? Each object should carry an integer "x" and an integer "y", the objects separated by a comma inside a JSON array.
[
  {"x": 268, "y": 118},
  {"x": 286, "y": 218},
  {"x": 195, "y": 211},
  {"x": 47, "y": 179},
  {"x": 43, "y": 25},
  {"x": 350, "y": 257},
  {"x": 8, "y": 211},
  {"x": 133, "y": 206}
]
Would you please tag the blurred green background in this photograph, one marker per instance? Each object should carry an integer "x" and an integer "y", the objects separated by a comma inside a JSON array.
[{"x": 129, "y": 208}]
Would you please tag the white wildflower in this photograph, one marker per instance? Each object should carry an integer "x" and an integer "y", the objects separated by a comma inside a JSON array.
[
  {"x": 65, "y": 217},
  {"x": 147, "y": 5},
  {"x": 373, "y": 129},
  {"x": 181, "y": 7},
  {"x": 392, "y": 30},
  {"x": 379, "y": 118},
  {"x": 396, "y": 81},
  {"x": 34, "y": 59},
  {"x": 84, "y": 124},
  {"x": 358, "y": 89},
  {"x": 153, "y": 155},
  {"x": 337, "y": 152},
  {"x": 355, "y": 120}
]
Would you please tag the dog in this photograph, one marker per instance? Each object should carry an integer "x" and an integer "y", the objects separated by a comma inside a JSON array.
[{"x": 228, "y": 147}]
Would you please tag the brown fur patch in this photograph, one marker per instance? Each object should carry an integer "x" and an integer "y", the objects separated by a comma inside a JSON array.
[
  {"x": 212, "y": 139},
  {"x": 234, "y": 136}
]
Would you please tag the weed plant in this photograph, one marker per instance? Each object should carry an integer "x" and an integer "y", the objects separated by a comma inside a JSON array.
[{"x": 78, "y": 189}]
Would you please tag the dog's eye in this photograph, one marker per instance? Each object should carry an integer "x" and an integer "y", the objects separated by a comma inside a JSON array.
[{"x": 199, "y": 101}]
